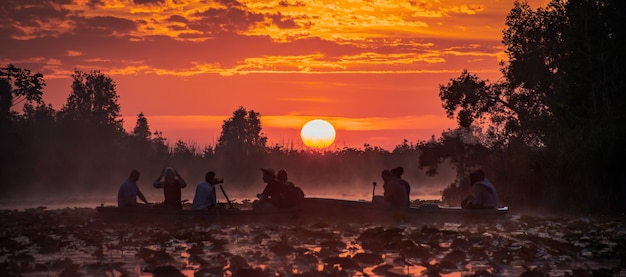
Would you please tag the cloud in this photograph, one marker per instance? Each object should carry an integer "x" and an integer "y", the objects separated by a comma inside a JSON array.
[
  {"x": 32, "y": 19},
  {"x": 426, "y": 122},
  {"x": 72, "y": 53},
  {"x": 148, "y": 2},
  {"x": 308, "y": 99},
  {"x": 185, "y": 38}
]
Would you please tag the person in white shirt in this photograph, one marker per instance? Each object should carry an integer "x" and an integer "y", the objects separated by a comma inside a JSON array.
[
  {"x": 205, "y": 197},
  {"x": 483, "y": 195}
]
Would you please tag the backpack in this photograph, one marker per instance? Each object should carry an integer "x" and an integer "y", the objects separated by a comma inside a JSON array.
[
  {"x": 297, "y": 193},
  {"x": 294, "y": 194}
]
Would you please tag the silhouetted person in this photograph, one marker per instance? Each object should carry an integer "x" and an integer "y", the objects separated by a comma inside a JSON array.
[
  {"x": 129, "y": 191},
  {"x": 395, "y": 194},
  {"x": 172, "y": 183},
  {"x": 397, "y": 173},
  {"x": 205, "y": 197},
  {"x": 272, "y": 195},
  {"x": 291, "y": 194},
  {"x": 483, "y": 194}
]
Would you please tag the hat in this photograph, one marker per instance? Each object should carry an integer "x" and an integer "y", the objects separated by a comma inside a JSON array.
[{"x": 269, "y": 171}]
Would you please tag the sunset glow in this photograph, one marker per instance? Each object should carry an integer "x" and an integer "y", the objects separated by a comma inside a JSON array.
[
  {"x": 375, "y": 66},
  {"x": 318, "y": 133}
]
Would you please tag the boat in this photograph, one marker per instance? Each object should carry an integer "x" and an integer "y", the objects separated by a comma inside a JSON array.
[
  {"x": 311, "y": 209},
  {"x": 366, "y": 211}
]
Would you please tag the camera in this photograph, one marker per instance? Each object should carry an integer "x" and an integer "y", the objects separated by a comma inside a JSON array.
[{"x": 219, "y": 180}]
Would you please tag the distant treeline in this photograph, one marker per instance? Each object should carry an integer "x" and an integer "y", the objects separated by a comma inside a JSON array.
[
  {"x": 550, "y": 133},
  {"x": 82, "y": 148}
]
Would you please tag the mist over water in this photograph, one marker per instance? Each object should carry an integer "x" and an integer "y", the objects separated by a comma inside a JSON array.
[{"x": 237, "y": 193}]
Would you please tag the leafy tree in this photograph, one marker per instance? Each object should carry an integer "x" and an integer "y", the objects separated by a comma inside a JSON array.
[
  {"x": 184, "y": 151},
  {"x": 159, "y": 143},
  {"x": 93, "y": 99},
  {"x": 463, "y": 149},
  {"x": 16, "y": 86},
  {"x": 591, "y": 110},
  {"x": 534, "y": 46},
  {"x": 241, "y": 134},
  {"x": 142, "y": 129},
  {"x": 558, "y": 112}
]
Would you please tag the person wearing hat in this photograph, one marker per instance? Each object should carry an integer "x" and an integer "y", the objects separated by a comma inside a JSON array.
[
  {"x": 171, "y": 182},
  {"x": 272, "y": 196}
]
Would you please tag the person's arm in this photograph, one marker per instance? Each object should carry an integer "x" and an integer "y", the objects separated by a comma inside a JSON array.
[
  {"x": 387, "y": 193},
  {"x": 182, "y": 183},
  {"x": 477, "y": 190},
  {"x": 212, "y": 197},
  {"x": 157, "y": 183},
  {"x": 141, "y": 196},
  {"x": 265, "y": 192}
]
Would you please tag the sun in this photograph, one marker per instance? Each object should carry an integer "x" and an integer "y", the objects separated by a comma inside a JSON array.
[{"x": 318, "y": 133}]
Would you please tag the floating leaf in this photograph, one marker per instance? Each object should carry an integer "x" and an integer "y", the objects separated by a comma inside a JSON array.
[
  {"x": 345, "y": 263},
  {"x": 167, "y": 271},
  {"x": 368, "y": 258}
]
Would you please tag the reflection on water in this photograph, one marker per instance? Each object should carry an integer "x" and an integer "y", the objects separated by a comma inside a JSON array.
[{"x": 73, "y": 242}]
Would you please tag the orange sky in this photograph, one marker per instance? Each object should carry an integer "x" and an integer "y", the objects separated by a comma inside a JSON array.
[{"x": 370, "y": 67}]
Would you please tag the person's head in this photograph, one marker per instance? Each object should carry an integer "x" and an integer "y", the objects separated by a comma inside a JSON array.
[
  {"x": 209, "y": 176},
  {"x": 282, "y": 175},
  {"x": 134, "y": 175},
  {"x": 169, "y": 174},
  {"x": 268, "y": 175},
  {"x": 476, "y": 176},
  {"x": 397, "y": 171},
  {"x": 386, "y": 174}
]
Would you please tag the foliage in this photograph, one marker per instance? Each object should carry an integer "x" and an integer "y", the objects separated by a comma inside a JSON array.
[
  {"x": 241, "y": 134},
  {"x": 557, "y": 114},
  {"x": 93, "y": 99},
  {"x": 142, "y": 129},
  {"x": 16, "y": 86}
]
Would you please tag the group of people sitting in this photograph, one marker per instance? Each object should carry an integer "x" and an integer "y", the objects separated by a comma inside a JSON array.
[
  {"x": 169, "y": 180},
  {"x": 279, "y": 192},
  {"x": 396, "y": 191}
]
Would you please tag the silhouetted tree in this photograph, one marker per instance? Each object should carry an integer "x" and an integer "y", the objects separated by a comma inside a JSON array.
[
  {"x": 91, "y": 125},
  {"x": 241, "y": 134},
  {"x": 159, "y": 143},
  {"x": 590, "y": 103},
  {"x": 558, "y": 112},
  {"x": 142, "y": 129},
  {"x": 93, "y": 99},
  {"x": 16, "y": 86}
]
